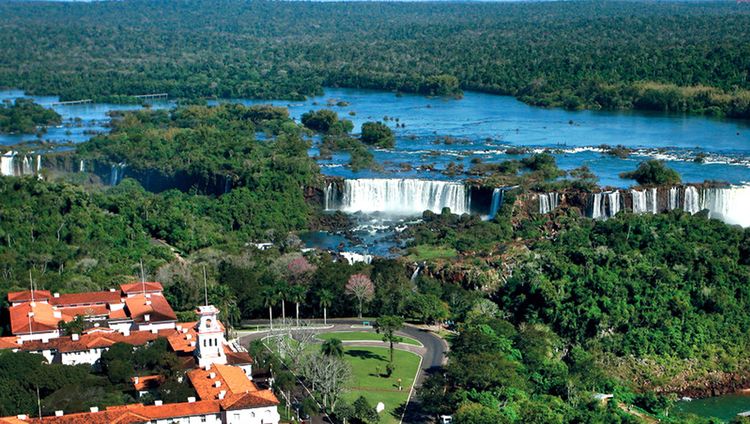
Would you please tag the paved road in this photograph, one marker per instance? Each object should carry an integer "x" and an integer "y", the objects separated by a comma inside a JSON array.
[{"x": 433, "y": 353}]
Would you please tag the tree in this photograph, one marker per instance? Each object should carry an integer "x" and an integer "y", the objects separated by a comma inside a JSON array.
[
  {"x": 387, "y": 326},
  {"x": 364, "y": 412},
  {"x": 328, "y": 375},
  {"x": 320, "y": 120},
  {"x": 653, "y": 172},
  {"x": 378, "y": 134},
  {"x": 297, "y": 293},
  {"x": 326, "y": 298},
  {"x": 73, "y": 327},
  {"x": 270, "y": 299},
  {"x": 332, "y": 347},
  {"x": 300, "y": 272},
  {"x": 427, "y": 308},
  {"x": 474, "y": 413},
  {"x": 361, "y": 287}
]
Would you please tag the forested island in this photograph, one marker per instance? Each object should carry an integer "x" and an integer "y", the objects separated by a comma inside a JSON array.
[
  {"x": 678, "y": 57},
  {"x": 25, "y": 116}
]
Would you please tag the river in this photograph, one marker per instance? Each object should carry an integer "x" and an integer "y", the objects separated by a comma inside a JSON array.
[
  {"x": 432, "y": 133},
  {"x": 484, "y": 126},
  {"x": 723, "y": 407}
]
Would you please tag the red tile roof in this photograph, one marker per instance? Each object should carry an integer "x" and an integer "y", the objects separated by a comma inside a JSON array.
[
  {"x": 86, "y": 311},
  {"x": 237, "y": 358},
  {"x": 135, "y": 288},
  {"x": 87, "y": 298},
  {"x": 180, "y": 342},
  {"x": 147, "y": 382},
  {"x": 127, "y": 414},
  {"x": 154, "y": 305},
  {"x": 43, "y": 320},
  {"x": 240, "y": 391},
  {"x": 100, "y": 338},
  {"x": 25, "y": 296}
]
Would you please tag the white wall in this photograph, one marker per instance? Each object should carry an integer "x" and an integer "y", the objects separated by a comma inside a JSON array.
[
  {"x": 40, "y": 335},
  {"x": 266, "y": 415},
  {"x": 90, "y": 357},
  {"x": 195, "y": 419}
]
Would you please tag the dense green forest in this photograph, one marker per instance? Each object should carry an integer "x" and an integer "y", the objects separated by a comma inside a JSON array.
[
  {"x": 25, "y": 116},
  {"x": 676, "y": 56}
]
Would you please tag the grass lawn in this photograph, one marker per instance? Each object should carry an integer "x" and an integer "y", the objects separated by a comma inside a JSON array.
[
  {"x": 423, "y": 253},
  {"x": 363, "y": 335},
  {"x": 367, "y": 363}
]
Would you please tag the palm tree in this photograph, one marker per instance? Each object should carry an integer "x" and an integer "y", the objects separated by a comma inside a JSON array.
[
  {"x": 332, "y": 347},
  {"x": 282, "y": 293},
  {"x": 270, "y": 299},
  {"x": 326, "y": 299},
  {"x": 297, "y": 293}
]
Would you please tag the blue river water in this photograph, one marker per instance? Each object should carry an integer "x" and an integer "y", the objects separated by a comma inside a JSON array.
[{"x": 440, "y": 131}]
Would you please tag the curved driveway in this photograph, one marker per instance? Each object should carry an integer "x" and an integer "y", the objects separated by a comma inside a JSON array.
[{"x": 433, "y": 353}]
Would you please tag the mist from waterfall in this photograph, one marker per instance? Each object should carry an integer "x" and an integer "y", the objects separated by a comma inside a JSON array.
[
  {"x": 397, "y": 196},
  {"x": 729, "y": 204}
]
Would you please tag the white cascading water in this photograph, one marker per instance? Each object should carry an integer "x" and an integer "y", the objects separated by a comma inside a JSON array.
[
  {"x": 652, "y": 201},
  {"x": 615, "y": 203},
  {"x": 605, "y": 205},
  {"x": 26, "y": 168},
  {"x": 728, "y": 204},
  {"x": 646, "y": 201},
  {"x": 353, "y": 257},
  {"x": 692, "y": 200},
  {"x": 82, "y": 167},
  {"x": 399, "y": 196},
  {"x": 639, "y": 201},
  {"x": 6, "y": 164},
  {"x": 116, "y": 174},
  {"x": 497, "y": 201},
  {"x": 598, "y": 206},
  {"x": 548, "y": 202},
  {"x": 674, "y": 199}
]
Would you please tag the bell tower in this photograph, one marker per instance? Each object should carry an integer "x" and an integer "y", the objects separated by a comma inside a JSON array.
[{"x": 210, "y": 346}]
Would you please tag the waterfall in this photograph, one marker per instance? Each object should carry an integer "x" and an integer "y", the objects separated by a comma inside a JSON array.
[
  {"x": 116, "y": 174},
  {"x": 548, "y": 202},
  {"x": 398, "y": 196},
  {"x": 329, "y": 197},
  {"x": 639, "y": 201},
  {"x": 38, "y": 164},
  {"x": 227, "y": 184},
  {"x": 674, "y": 201},
  {"x": 82, "y": 167},
  {"x": 692, "y": 200},
  {"x": 6, "y": 164},
  {"x": 728, "y": 204},
  {"x": 605, "y": 205},
  {"x": 598, "y": 206},
  {"x": 353, "y": 257},
  {"x": 497, "y": 202},
  {"x": 415, "y": 274},
  {"x": 26, "y": 168},
  {"x": 615, "y": 203},
  {"x": 652, "y": 201}
]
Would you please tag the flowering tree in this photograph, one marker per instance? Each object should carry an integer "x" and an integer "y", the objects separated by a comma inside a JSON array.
[{"x": 361, "y": 287}]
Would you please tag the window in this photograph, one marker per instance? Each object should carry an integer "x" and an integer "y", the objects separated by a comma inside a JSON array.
[{"x": 203, "y": 418}]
